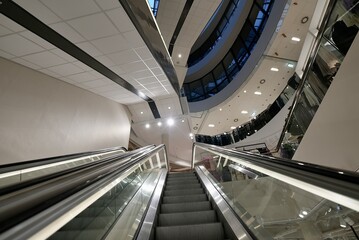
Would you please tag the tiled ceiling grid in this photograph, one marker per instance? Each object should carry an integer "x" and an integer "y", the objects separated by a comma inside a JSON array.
[{"x": 100, "y": 28}]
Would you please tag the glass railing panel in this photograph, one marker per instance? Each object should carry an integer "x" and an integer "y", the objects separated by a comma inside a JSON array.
[
  {"x": 97, "y": 219},
  {"x": 275, "y": 209}
]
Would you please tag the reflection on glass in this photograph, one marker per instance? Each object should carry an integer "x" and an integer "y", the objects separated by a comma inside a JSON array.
[
  {"x": 339, "y": 33},
  {"x": 273, "y": 209}
]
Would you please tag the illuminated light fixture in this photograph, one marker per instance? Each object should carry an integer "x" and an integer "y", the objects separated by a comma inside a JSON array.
[
  {"x": 147, "y": 125},
  {"x": 305, "y": 213},
  {"x": 253, "y": 114},
  {"x": 245, "y": 91},
  {"x": 257, "y": 93},
  {"x": 141, "y": 112},
  {"x": 274, "y": 69},
  {"x": 301, "y": 215},
  {"x": 191, "y": 134},
  {"x": 141, "y": 94},
  {"x": 342, "y": 223},
  {"x": 233, "y": 127},
  {"x": 290, "y": 65},
  {"x": 341, "y": 172},
  {"x": 211, "y": 125},
  {"x": 295, "y": 39},
  {"x": 169, "y": 108},
  {"x": 300, "y": 163},
  {"x": 159, "y": 124},
  {"x": 225, "y": 133},
  {"x": 244, "y": 112},
  {"x": 170, "y": 122},
  {"x": 191, "y": 138},
  {"x": 182, "y": 120},
  {"x": 220, "y": 109},
  {"x": 179, "y": 55}
]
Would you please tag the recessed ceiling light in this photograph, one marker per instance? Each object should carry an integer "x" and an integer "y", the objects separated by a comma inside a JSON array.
[
  {"x": 290, "y": 65},
  {"x": 159, "y": 124},
  {"x": 245, "y": 91},
  {"x": 257, "y": 93},
  {"x": 179, "y": 55},
  {"x": 191, "y": 134},
  {"x": 182, "y": 120},
  {"x": 235, "y": 120},
  {"x": 220, "y": 109},
  {"x": 141, "y": 112},
  {"x": 141, "y": 94},
  {"x": 274, "y": 69},
  {"x": 170, "y": 122},
  {"x": 211, "y": 125},
  {"x": 169, "y": 107},
  {"x": 301, "y": 215},
  {"x": 244, "y": 112},
  {"x": 262, "y": 81},
  {"x": 225, "y": 133},
  {"x": 305, "y": 212},
  {"x": 295, "y": 39},
  {"x": 233, "y": 127},
  {"x": 147, "y": 125},
  {"x": 253, "y": 114}
]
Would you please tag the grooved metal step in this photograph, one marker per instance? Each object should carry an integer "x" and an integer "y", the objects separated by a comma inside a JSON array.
[
  {"x": 182, "y": 182},
  {"x": 183, "y": 192},
  {"x": 187, "y": 218},
  {"x": 183, "y": 186},
  {"x": 185, "y": 207},
  {"x": 186, "y": 198},
  {"x": 208, "y": 231},
  {"x": 182, "y": 179}
]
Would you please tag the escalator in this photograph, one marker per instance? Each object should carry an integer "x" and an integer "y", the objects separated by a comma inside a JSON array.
[
  {"x": 186, "y": 212},
  {"x": 226, "y": 195}
]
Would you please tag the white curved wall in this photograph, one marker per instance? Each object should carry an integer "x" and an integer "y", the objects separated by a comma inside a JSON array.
[{"x": 41, "y": 116}]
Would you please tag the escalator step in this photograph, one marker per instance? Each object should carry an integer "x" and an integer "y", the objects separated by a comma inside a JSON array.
[
  {"x": 185, "y": 207},
  {"x": 187, "y": 218},
  {"x": 209, "y": 231},
  {"x": 181, "y": 182},
  {"x": 182, "y": 179},
  {"x": 183, "y": 199},
  {"x": 183, "y": 186},
  {"x": 174, "y": 175},
  {"x": 183, "y": 192}
]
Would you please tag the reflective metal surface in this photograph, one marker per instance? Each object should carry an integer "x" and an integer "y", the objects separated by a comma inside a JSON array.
[
  {"x": 149, "y": 221},
  {"x": 237, "y": 228}
]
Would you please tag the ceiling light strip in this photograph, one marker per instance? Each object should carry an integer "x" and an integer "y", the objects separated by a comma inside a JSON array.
[
  {"x": 30, "y": 22},
  {"x": 146, "y": 26}
]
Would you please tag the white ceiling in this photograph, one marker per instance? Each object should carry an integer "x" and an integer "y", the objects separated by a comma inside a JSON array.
[
  {"x": 97, "y": 27},
  {"x": 281, "y": 51},
  {"x": 100, "y": 28}
]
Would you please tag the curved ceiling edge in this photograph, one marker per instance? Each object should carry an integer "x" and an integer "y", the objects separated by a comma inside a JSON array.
[
  {"x": 230, "y": 34},
  {"x": 142, "y": 18},
  {"x": 248, "y": 68}
]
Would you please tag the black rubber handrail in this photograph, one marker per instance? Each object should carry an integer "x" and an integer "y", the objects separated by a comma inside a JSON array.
[
  {"x": 336, "y": 180},
  {"x": 38, "y": 162},
  {"x": 21, "y": 205},
  {"x": 27, "y": 183}
]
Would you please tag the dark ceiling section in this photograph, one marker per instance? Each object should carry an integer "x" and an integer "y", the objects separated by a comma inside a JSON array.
[
  {"x": 28, "y": 21},
  {"x": 141, "y": 17},
  {"x": 181, "y": 20}
]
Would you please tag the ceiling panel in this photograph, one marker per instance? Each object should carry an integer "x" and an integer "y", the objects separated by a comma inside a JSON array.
[{"x": 66, "y": 9}]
